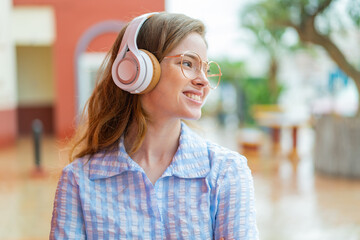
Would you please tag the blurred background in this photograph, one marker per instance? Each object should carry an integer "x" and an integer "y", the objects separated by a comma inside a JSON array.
[{"x": 288, "y": 101}]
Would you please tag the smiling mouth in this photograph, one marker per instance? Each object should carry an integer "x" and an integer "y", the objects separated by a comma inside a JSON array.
[{"x": 193, "y": 96}]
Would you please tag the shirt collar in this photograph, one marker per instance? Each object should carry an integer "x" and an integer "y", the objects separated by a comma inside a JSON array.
[{"x": 191, "y": 159}]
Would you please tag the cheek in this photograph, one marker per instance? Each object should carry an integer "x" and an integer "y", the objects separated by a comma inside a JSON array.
[
  {"x": 171, "y": 83},
  {"x": 206, "y": 92}
]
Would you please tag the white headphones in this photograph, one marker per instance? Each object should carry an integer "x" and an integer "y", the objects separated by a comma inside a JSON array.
[{"x": 135, "y": 71}]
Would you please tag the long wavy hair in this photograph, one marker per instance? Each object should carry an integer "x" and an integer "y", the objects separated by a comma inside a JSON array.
[{"x": 110, "y": 111}]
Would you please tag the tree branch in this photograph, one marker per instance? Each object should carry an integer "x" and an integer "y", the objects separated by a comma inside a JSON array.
[
  {"x": 312, "y": 36},
  {"x": 283, "y": 23},
  {"x": 322, "y": 7}
]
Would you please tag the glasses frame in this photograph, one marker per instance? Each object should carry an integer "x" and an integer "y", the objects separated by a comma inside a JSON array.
[{"x": 207, "y": 64}]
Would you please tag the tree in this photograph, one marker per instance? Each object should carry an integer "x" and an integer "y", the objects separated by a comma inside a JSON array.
[
  {"x": 269, "y": 42},
  {"x": 272, "y": 17},
  {"x": 250, "y": 90},
  {"x": 336, "y": 150}
]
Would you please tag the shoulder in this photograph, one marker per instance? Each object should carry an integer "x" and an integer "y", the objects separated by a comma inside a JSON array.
[
  {"x": 76, "y": 169},
  {"x": 220, "y": 158},
  {"x": 224, "y": 158},
  {"x": 226, "y": 165},
  {"x": 77, "y": 165}
]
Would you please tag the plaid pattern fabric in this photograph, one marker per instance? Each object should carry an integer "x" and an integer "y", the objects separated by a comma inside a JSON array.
[{"x": 206, "y": 193}]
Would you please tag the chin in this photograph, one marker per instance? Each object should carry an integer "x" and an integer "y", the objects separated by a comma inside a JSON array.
[{"x": 193, "y": 116}]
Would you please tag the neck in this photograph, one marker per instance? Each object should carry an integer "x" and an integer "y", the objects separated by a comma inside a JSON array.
[{"x": 160, "y": 143}]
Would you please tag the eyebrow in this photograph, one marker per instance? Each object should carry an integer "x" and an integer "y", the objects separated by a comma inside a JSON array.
[
  {"x": 191, "y": 55},
  {"x": 194, "y": 57}
]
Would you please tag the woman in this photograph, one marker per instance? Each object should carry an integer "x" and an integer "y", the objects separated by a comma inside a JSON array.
[{"x": 138, "y": 171}]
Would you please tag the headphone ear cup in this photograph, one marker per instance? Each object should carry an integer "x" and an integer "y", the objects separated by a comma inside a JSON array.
[
  {"x": 126, "y": 70},
  {"x": 156, "y": 70}
]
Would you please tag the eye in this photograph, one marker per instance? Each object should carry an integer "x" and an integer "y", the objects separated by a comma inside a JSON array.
[
  {"x": 188, "y": 64},
  {"x": 207, "y": 68}
]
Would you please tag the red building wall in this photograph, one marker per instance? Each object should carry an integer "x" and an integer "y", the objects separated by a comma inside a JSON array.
[
  {"x": 73, "y": 18},
  {"x": 8, "y": 128}
]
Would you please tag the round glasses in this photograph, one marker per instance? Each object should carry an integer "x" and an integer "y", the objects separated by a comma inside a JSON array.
[{"x": 192, "y": 66}]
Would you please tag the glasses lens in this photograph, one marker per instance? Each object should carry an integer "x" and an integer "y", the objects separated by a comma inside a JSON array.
[
  {"x": 190, "y": 65},
  {"x": 213, "y": 74}
]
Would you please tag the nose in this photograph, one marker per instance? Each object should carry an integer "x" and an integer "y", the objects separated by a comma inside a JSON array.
[{"x": 201, "y": 80}]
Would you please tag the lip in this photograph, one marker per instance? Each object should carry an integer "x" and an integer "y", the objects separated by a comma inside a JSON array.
[{"x": 198, "y": 93}]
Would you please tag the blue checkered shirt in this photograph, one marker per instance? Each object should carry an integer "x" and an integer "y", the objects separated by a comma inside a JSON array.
[{"x": 205, "y": 193}]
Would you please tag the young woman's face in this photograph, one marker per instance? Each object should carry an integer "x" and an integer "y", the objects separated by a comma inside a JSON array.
[{"x": 176, "y": 96}]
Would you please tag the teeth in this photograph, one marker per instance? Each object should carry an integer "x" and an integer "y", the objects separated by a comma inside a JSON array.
[{"x": 193, "y": 96}]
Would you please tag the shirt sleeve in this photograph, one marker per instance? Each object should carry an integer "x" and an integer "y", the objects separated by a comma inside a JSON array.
[
  {"x": 67, "y": 219},
  {"x": 235, "y": 217}
]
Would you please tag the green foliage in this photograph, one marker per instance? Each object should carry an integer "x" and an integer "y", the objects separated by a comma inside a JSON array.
[
  {"x": 250, "y": 90},
  {"x": 232, "y": 71},
  {"x": 354, "y": 11},
  {"x": 256, "y": 91},
  {"x": 272, "y": 17},
  {"x": 257, "y": 18}
]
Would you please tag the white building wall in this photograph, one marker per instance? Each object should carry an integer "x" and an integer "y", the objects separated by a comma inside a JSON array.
[
  {"x": 33, "y": 25},
  {"x": 7, "y": 58}
]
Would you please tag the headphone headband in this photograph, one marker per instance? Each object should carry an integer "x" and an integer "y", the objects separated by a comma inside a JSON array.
[{"x": 130, "y": 35}]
